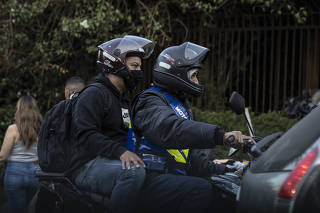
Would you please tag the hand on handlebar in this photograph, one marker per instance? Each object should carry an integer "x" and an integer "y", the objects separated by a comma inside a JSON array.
[{"x": 236, "y": 139}]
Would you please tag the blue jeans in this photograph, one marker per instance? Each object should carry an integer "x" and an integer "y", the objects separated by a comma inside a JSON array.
[
  {"x": 106, "y": 177},
  {"x": 20, "y": 185}
]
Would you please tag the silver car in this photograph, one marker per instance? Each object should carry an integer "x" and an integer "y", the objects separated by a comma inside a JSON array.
[{"x": 286, "y": 177}]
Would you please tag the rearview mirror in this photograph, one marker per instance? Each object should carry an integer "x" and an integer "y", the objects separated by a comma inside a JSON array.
[{"x": 237, "y": 103}]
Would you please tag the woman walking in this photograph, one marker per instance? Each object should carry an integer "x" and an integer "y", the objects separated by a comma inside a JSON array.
[{"x": 19, "y": 148}]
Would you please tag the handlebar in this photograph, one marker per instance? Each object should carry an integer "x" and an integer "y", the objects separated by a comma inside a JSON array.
[{"x": 247, "y": 143}]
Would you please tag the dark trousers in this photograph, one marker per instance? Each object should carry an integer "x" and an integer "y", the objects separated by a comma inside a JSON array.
[{"x": 175, "y": 193}]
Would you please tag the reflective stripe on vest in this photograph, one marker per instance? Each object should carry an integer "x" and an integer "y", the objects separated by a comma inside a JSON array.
[{"x": 180, "y": 155}]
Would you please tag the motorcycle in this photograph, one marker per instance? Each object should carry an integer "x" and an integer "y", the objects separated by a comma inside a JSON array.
[
  {"x": 227, "y": 186},
  {"x": 58, "y": 194}
]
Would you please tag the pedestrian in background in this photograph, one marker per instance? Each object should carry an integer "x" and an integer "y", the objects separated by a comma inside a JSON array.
[
  {"x": 19, "y": 148},
  {"x": 73, "y": 84}
]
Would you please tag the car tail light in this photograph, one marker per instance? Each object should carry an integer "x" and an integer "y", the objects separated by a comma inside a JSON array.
[{"x": 288, "y": 188}]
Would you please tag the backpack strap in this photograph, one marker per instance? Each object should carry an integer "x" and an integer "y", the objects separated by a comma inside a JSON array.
[{"x": 77, "y": 92}]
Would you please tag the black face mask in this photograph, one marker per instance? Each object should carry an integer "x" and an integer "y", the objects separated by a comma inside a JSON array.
[
  {"x": 131, "y": 77},
  {"x": 137, "y": 76}
]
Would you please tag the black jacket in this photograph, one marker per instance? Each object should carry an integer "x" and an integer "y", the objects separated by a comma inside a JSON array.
[
  {"x": 98, "y": 126},
  {"x": 154, "y": 118}
]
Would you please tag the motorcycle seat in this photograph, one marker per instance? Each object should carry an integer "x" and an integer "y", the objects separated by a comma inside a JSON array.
[
  {"x": 41, "y": 174},
  {"x": 55, "y": 177}
]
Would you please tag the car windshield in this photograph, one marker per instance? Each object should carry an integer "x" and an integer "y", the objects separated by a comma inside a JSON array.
[{"x": 291, "y": 145}]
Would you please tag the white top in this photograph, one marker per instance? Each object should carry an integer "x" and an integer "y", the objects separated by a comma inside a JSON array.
[{"x": 20, "y": 154}]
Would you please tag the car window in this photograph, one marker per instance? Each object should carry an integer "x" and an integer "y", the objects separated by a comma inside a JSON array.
[{"x": 291, "y": 145}]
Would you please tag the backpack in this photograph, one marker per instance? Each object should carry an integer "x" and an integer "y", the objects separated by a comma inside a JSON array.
[{"x": 55, "y": 136}]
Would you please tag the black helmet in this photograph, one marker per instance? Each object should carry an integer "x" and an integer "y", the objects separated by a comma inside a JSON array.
[
  {"x": 112, "y": 56},
  {"x": 175, "y": 63}
]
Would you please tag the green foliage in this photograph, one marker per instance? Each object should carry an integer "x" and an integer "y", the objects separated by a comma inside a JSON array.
[
  {"x": 7, "y": 118},
  {"x": 263, "y": 125},
  {"x": 45, "y": 42},
  {"x": 276, "y": 7}
]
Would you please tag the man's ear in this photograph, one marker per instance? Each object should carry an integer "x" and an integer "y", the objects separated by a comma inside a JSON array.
[{"x": 67, "y": 93}]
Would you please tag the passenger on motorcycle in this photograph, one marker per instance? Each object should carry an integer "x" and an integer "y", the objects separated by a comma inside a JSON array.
[
  {"x": 100, "y": 162},
  {"x": 165, "y": 133}
]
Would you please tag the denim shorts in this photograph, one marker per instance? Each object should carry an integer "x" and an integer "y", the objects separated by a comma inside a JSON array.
[{"x": 20, "y": 185}]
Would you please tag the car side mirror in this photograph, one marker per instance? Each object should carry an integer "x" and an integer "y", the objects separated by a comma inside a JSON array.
[{"x": 237, "y": 103}]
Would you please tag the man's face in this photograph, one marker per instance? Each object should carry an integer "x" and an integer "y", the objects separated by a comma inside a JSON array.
[
  {"x": 134, "y": 63},
  {"x": 193, "y": 75}
]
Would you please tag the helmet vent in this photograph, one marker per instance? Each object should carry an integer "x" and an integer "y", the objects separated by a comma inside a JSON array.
[
  {"x": 110, "y": 57},
  {"x": 165, "y": 65}
]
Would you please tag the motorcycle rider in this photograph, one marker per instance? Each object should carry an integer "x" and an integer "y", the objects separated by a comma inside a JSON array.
[
  {"x": 100, "y": 162},
  {"x": 165, "y": 131}
]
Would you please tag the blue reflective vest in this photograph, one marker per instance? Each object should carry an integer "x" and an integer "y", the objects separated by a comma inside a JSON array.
[{"x": 145, "y": 146}]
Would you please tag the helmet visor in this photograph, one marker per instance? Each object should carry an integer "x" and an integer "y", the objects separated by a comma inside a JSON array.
[
  {"x": 193, "y": 51},
  {"x": 141, "y": 46}
]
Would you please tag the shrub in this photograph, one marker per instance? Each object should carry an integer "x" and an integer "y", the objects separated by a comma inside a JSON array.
[{"x": 263, "y": 124}]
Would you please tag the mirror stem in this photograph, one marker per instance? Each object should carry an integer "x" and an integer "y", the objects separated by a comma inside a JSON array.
[{"x": 251, "y": 130}]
